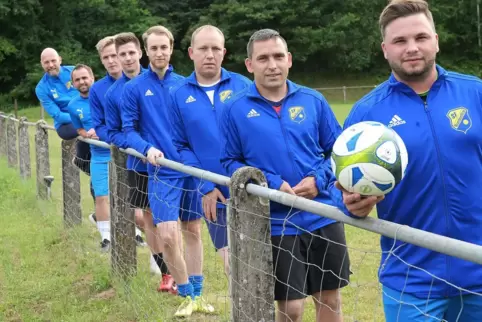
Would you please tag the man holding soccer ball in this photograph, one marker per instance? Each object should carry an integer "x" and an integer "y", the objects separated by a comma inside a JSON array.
[{"x": 437, "y": 114}]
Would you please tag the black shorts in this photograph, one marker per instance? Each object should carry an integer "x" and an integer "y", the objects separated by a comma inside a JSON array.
[
  {"x": 138, "y": 189},
  {"x": 309, "y": 263}
]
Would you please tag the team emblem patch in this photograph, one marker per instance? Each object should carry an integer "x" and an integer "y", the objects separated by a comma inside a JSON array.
[
  {"x": 80, "y": 113},
  {"x": 297, "y": 114},
  {"x": 224, "y": 95},
  {"x": 68, "y": 85},
  {"x": 460, "y": 119}
]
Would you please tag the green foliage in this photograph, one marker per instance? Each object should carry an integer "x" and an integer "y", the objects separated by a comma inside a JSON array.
[{"x": 330, "y": 37}]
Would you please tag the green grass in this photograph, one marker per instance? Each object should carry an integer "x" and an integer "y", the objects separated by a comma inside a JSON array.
[{"x": 49, "y": 273}]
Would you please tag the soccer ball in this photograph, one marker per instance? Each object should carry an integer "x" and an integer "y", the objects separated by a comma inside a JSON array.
[{"x": 369, "y": 158}]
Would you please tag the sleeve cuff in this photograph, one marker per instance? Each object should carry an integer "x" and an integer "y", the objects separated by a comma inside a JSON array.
[
  {"x": 146, "y": 149},
  {"x": 274, "y": 181},
  {"x": 321, "y": 182},
  {"x": 206, "y": 187},
  {"x": 337, "y": 198}
]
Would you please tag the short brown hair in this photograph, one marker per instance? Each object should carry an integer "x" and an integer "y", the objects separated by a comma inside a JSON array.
[
  {"x": 125, "y": 38},
  {"x": 158, "y": 30},
  {"x": 104, "y": 42},
  {"x": 81, "y": 66},
  {"x": 403, "y": 8}
]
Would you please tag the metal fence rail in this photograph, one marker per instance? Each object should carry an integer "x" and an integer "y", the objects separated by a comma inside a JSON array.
[{"x": 248, "y": 200}]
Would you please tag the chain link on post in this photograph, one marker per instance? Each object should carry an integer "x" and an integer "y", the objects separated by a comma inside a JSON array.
[
  {"x": 42, "y": 159},
  {"x": 70, "y": 187},
  {"x": 3, "y": 135},
  {"x": 24, "y": 149},
  {"x": 251, "y": 257},
  {"x": 12, "y": 155},
  {"x": 122, "y": 223}
]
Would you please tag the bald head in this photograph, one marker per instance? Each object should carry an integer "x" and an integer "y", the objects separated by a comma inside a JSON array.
[
  {"x": 204, "y": 30},
  {"x": 50, "y": 60},
  {"x": 48, "y": 52}
]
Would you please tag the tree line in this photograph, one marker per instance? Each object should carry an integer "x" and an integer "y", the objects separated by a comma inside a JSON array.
[{"x": 329, "y": 37}]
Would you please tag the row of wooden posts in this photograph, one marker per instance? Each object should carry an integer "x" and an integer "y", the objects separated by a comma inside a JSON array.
[{"x": 251, "y": 261}]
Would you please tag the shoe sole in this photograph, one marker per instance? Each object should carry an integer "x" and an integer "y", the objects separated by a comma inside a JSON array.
[{"x": 91, "y": 219}]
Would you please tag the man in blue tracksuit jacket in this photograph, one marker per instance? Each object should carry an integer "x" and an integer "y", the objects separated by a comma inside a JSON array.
[
  {"x": 147, "y": 125},
  {"x": 197, "y": 104},
  {"x": 79, "y": 109},
  {"x": 108, "y": 57},
  {"x": 288, "y": 131},
  {"x": 54, "y": 92},
  {"x": 128, "y": 50},
  {"x": 438, "y": 115}
]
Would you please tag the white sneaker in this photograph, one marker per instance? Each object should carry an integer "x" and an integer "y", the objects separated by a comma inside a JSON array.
[{"x": 153, "y": 266}]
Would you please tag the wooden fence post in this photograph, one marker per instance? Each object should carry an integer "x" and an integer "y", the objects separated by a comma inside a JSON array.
[
  {"x": 70, "y": 187},
  {"x": 12, "y": 155},
  {"x": 251, "y": 258},
  {"x": 24, "y": 149},
  {"x": 122, "y": 223},
  {"x": 42, "y": 159},
  {"x": 3, "y": 135}
]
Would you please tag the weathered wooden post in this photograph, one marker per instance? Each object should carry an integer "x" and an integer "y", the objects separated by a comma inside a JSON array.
[
  {"x": 251, "y": 258},
  {"x": 24, "y": 149},
  {"x": 12, "y": 155},
  {"x": 70, "y": 187},
  {"x": 42, "y": 159},
  {"x": 122, "y": 223},
  {"x": 3, "y": 135}
]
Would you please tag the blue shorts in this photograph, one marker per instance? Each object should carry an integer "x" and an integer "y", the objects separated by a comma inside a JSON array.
[
  {"x": 218, "y": 230},
  {"x": 173, "y": 199},
  {"x": 465, "y": 308},
  {"x": 99, "y": 176}
]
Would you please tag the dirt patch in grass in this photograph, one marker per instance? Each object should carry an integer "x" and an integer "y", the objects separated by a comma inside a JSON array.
[{"x": 105, "y": 295}]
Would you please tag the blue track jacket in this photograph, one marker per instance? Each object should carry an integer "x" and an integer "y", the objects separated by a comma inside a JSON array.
[
  {"x": 114, "y": 123},
  {"x": 79, "y": 110},
  {"x": 97, "y": 106},
  {"x": 195, "y": 123},
  {"x": 289, "y": 147},
  {"x": 440, "y": 190},
  {"x": 55, "y": 93},
  {"x": 146, "y": 119}
]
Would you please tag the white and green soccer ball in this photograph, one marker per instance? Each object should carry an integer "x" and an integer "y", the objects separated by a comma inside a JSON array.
[{"x": 369, "y": 158}]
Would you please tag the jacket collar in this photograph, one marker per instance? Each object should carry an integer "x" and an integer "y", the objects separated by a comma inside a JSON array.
[
  {"x": 169, "y": 71},
  {"x": 191, "y": 79},
  {"x": 254, "y": 93},
  {"x": 109, "y": 76},
  {"x": 399, "y": 86},
  {"x": 142, "y": 70},
  {"x": 61, "y": 71}
]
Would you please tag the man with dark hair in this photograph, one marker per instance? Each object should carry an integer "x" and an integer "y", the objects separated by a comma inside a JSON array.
[
  {"x": 297, "y": 124},
  {"x": 433, "y": 111},
  {"x": 79, "y": 109}
]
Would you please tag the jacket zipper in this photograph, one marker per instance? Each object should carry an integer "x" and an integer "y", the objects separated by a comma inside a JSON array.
[
  {"x": 425, "y": 104},
  {"x": 290, "y": 153}
]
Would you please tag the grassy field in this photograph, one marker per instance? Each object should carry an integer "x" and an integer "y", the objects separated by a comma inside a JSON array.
[{"x": 49, "y": 273}]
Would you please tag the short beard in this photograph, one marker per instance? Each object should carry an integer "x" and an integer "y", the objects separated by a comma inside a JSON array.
[
  {"x": 414, "y": 76},
  {"x": 54, "y": 72}
]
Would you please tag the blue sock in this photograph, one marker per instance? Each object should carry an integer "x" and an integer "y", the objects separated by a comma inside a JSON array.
[
  {"x": 197, "y": 284},
  {"x": 185, "y": 290}
]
